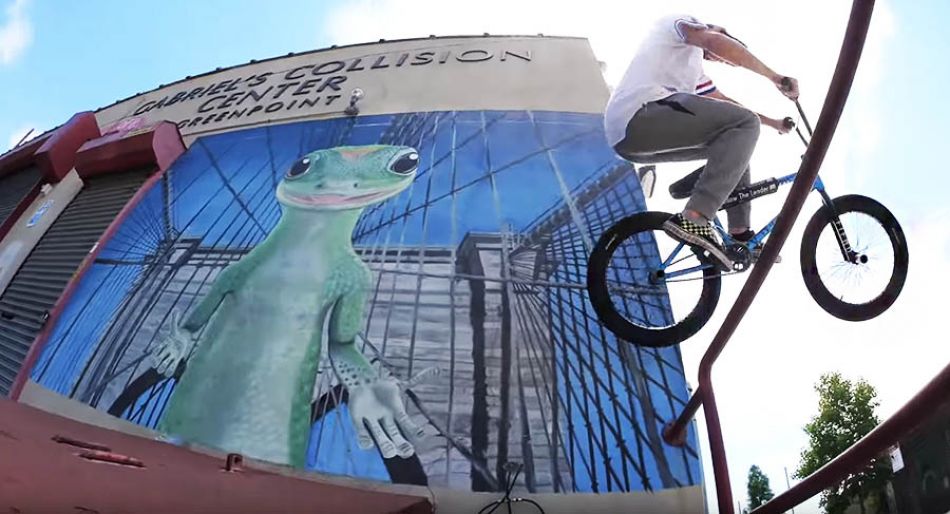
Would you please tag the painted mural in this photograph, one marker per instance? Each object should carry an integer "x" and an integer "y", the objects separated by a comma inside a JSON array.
[{"x": 396, "y": 297}]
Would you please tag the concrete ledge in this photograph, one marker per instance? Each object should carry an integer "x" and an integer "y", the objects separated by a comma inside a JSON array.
[
  {"x": 685, "y": 500},
  {"x": 93, "y": 469},
  {"x": 44, "y": 399},
  {"x": 39, "y": 397}
]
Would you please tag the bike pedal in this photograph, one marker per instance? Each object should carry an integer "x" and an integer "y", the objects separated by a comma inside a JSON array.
[{"x": 709, "y": 260}]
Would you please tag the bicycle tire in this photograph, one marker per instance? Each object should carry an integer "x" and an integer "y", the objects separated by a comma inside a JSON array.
[
  {"x": 819, "y": 291},
  {"x": 614, "y": 321}
]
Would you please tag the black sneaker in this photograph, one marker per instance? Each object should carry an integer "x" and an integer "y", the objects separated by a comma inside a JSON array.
[{"x": 702, "y": 236}]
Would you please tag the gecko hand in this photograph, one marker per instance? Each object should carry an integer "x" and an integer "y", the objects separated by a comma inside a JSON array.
[
  {"x": 379, "y": 414},
  {"x": 171, "y": 350}
]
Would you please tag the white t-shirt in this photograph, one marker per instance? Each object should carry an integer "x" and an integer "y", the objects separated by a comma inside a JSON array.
[{"x": 663, "y": 65}]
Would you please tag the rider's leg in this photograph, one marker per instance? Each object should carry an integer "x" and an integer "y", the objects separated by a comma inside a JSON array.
[
  {"x": 726, "y": 167},
  {"x": 689, "y": 125},
  {"x": 679, "y": 155},
  {"x": 739, "y": 217}
]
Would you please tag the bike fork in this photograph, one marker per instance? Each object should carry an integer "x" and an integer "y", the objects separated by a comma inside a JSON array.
[{"x": 843, "y": 244}]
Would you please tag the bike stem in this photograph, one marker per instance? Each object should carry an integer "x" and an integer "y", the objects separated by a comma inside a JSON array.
[
  {"x": 801, "y": 113},
  {"x": 801, "y": 136},
  {"x": 789, "y": 122}
]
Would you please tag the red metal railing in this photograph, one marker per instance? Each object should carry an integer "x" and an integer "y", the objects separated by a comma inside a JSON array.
[
  {"x": 888, "y": 433},
  {"x": 921, "y": 406}
]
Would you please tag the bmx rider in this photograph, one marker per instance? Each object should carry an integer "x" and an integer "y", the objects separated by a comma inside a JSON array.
[{"x": 666, "y": 109}]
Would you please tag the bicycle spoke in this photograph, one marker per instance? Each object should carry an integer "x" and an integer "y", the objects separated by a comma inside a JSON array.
[
  {"x": 677, "y": 261},
  {"x": 641, "y": 292},
  {"x": 855, "y": 282}
]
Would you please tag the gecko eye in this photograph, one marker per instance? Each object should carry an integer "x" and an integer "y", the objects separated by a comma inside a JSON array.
[
  {"x": 300, "y": 167},
  {"x": 405, "y": 163}
]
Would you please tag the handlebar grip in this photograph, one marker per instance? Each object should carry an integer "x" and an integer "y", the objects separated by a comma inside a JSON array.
[
  {"x": 786, "y": 83},
  {"x": 788, "y": 123}
]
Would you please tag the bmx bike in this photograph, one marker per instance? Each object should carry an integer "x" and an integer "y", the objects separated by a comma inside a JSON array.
[{"x": 651, "y": 290}]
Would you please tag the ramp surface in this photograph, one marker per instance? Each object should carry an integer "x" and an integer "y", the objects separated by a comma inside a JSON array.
[{"x": 38, "y": 474}]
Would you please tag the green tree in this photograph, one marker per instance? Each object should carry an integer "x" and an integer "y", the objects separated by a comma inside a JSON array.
[
  {"x": 845, "y": 415},
  {"x": 758, "y": 487}
]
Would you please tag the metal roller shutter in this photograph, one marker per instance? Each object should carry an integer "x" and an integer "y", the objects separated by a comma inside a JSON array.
[
  {"x": 25, "y": 304},
  {"x": 14, "y": 187}
]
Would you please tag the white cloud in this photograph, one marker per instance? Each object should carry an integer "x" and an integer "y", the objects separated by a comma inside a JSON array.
[
  {"x": 16, "y": 33},
  {"x": 764, "y": 379}
]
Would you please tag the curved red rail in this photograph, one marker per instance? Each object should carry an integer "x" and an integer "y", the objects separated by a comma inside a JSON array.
[
  {"x": 674, "y": 433},
  {"x": 921, "y": 406}
]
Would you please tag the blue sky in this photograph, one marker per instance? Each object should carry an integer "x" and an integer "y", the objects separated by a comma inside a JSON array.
[
  {"x": 916, "y": 116},
  {"x": 86, "y": 55},
  {"x": 890, "y": 146}
]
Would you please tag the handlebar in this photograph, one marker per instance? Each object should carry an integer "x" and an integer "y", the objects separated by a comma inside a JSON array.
[
  {"x": 788, "y": 122},
  {"x": 786, "y": 83}
]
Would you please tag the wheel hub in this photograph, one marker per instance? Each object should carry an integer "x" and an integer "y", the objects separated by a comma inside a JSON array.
[{"x": 859, "y": 258}]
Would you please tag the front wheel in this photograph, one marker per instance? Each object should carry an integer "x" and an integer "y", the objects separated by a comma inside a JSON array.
[
  {"x": 860, "y": 282},
  {"x": 646, "y": 288}
]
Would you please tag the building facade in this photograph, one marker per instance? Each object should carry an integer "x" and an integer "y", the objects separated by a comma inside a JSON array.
[
  {"x": 922, "y": 484},
  {"x": 474, "y": 303}
]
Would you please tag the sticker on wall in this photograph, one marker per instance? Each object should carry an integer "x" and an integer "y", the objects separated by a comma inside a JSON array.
[
  {"x": 40, "y": 211},
  {"x": 397, "y": 298}
]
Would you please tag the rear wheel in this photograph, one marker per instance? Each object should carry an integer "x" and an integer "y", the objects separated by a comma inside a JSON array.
[
  {"x": 866, "y": 283},
  {"x": 636, "y": 297}
]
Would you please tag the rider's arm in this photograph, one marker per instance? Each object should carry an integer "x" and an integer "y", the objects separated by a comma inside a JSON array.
[
  {"x": 778, "y": 125},
  {"x": 730, "y": 50},
  {"x": 717, "y": 94}
]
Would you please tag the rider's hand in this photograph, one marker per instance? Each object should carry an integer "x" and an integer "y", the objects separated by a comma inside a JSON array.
[
  {"x": 787, "y": 85},
  {"x": 778, "y": 125}
]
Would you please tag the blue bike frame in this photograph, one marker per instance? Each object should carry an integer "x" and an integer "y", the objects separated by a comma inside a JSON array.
[{"x": 759, "y": 236}]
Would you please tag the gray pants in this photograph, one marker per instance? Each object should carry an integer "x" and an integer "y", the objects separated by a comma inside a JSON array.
[{"x": 685, "y": 127}]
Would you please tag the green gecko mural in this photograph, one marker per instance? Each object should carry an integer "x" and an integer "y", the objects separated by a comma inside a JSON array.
[{"x": 259, "y": 331}]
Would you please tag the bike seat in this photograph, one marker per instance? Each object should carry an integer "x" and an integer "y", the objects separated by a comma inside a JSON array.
[{"x": 683, "y": 187}]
